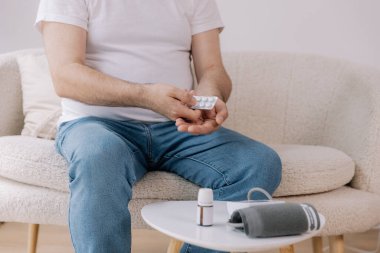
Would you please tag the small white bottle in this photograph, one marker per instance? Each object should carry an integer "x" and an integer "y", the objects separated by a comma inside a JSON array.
[{"x": 205, "y": 209}]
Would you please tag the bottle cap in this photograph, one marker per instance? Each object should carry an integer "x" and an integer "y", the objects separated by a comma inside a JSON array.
[{"x": 205, "y": 197}]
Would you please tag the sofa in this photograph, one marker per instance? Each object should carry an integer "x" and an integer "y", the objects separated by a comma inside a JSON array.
[{"x": 322, "y": 116}]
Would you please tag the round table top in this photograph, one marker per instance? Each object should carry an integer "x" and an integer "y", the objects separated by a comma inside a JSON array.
[{"x": 177, "y": 219}]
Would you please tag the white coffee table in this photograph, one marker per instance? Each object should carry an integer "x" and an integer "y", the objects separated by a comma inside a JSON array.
[{"x": 177, "y": 220}]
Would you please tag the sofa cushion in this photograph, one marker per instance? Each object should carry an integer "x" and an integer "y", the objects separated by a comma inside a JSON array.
[
  {"x": 34, "y": 161},
  {"x": 306, "y": 169},
  {"x": 343, "y": 208},
  {"x": 41, "y": 105},
  {"x": 312, "y": 169}
]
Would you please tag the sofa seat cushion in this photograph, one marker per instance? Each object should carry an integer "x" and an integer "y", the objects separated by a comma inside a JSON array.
[
  {"x": 343, "y": 208},
  {"x": 312, "y": 169},
  {"x": 306, "y": 169},
  {"x": 34, "y": 161}
]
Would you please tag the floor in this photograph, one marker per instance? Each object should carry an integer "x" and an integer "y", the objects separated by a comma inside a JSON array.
[{"x": 56, "y": 239}]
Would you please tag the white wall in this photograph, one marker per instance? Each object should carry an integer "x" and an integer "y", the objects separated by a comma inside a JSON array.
[
  {"x": 342, "y": 28},
  {"x": 16, "y": 25}
]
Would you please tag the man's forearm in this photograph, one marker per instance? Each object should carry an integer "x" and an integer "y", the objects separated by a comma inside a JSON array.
[
  {"x": 215, "y": 82},
  {"x": 79, "y": 82}
]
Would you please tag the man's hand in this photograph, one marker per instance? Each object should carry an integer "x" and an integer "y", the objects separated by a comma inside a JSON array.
[
  {"x": 211, "y": 120},
  {"x": 212, "y": 79},
  {"x": 172, "y": 102}
]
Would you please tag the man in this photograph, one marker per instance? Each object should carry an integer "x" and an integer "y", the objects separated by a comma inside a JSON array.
[{"x": 122, "y": 68}]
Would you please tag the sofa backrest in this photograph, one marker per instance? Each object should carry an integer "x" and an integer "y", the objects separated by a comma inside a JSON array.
[
  {"x": 308, "y": 99},
  {"x": 289, "y": 98},
  {"x": 277, "y": 98}
]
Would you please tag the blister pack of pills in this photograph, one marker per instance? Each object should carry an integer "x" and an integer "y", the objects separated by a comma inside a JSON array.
[{"x": 204, "y": 102}]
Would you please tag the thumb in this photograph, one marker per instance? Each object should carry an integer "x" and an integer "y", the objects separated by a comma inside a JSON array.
[{"x": 221, "y": 113}]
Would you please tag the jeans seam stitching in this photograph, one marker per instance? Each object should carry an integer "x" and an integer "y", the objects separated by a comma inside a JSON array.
[
  {"x": 71, "y": 236},
  {"x": 213, "y": 167},
  {"x": 149, "y": 136}
]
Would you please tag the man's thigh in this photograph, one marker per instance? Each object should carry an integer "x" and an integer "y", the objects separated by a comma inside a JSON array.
[
  {"x": 225, "y": 161},
  {"x": 100, "y": 142}
]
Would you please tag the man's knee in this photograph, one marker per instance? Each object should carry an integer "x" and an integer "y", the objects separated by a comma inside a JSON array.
[
  {"x": 273, "y": 168},
  {"x": 257, "y": 165},
  {"x": 266, "y": 170},
  {"x": 102, "y": 162}
]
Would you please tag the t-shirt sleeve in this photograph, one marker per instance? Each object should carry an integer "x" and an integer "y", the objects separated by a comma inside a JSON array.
[
  {"x": 72, "y": 12},
  {"x": 205, "y": 16}
]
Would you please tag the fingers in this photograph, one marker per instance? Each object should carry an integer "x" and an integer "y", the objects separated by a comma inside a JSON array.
[
  {"x": 182, "y": 126},
  {"x": 185, "y": 96},
  {"x": 221, "y": 112},
  {"x": 184, "y": 112},
  {"x": 191, "y": 121},
  {"x": 211, "y": 120},
  {"x": 206, "y": 127}
]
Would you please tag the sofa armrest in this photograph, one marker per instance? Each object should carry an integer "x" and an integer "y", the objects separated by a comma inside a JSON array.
[
  {"x": 353, "y": 125},
  {"x": 11, "y": 116}
]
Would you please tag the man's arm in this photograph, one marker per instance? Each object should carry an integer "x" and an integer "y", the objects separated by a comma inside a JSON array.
[
  {"x": 213, "y": 80},
  {"x": 66, "y": 47},
  {"x": 211, "y": 75}
]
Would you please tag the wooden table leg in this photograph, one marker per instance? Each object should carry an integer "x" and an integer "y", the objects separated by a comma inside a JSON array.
[
  {"x": 32, "y": 238},
  {"x": 317, "y": 244},
  {"x": 336, "y": 243},
  {"x": 174, "y": 246},
  {"x": 287, "y": 249}
]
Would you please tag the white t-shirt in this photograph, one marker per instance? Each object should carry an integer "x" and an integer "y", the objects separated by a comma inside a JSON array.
[{"x": 142, "y": 41}]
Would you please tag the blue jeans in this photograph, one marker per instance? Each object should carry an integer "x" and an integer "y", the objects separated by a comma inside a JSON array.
[{"x": 107, "y": 157}]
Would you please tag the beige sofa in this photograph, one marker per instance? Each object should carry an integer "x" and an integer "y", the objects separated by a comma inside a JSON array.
[{"x": 322, "y": 115}]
